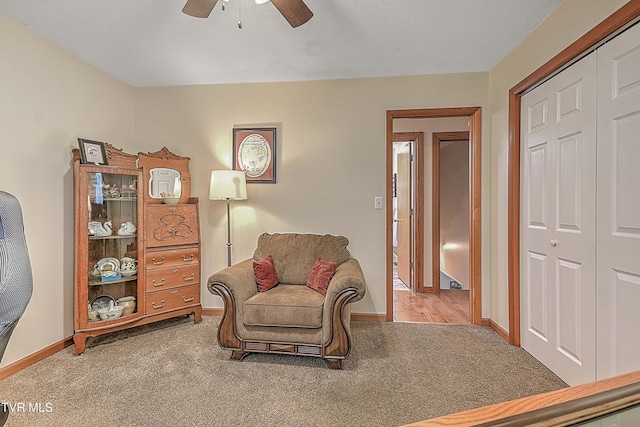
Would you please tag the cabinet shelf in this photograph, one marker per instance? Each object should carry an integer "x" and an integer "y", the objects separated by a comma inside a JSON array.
[
  {"x": 114, "y": 199},
  {"x": 112, "y": 237},
  {"x": 97, "y": 282}
]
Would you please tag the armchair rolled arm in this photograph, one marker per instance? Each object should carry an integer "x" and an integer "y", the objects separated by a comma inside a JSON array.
[
  {"x": 235, "y": 285},
  {"x": 346, "y": 286},
  {"x": 238, "y": 278},
  {"x": 348, "y": 275}
]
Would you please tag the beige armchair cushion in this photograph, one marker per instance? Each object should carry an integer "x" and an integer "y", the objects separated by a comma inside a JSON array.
[{"x": 288, "y": 306}]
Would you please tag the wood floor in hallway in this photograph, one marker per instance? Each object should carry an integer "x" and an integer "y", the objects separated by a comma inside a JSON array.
[{"x": 451, "y": 306}]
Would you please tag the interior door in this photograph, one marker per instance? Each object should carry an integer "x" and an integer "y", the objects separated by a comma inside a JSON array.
[
  {"x": 404, "y": 216},
  {"x": 558, "y": 222},
  {"x": 619, "y": 205}
]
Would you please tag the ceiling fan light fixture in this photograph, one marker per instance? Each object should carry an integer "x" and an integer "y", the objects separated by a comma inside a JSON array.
[{"x": 295, "y": 12}]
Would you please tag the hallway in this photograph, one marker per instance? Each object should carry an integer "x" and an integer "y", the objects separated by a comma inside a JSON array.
[{"x": 452, "y": 306}]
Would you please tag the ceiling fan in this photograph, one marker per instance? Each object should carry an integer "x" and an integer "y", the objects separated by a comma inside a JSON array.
[{"x": 295, "y": 12}]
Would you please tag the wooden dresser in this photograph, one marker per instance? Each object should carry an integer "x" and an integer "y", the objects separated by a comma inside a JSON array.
[
  {"x": 171, "y": 237},
  {"x": 172, "y": 257}
]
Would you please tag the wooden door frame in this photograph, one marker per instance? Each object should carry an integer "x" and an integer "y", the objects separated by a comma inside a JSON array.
[
  {"x": 417, "y": 139},
  {"x": 475, "y": 137},
  {"x": 615, "y": 23},
  {"x": 439, "y": 137}
]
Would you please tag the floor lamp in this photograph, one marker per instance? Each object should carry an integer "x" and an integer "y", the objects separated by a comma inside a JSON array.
[{"x": 228, "y": 185}]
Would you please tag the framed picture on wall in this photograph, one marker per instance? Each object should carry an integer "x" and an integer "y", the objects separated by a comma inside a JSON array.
[
  {"x": 254, "y": 152},
  {"x": 92, "y": 152}
]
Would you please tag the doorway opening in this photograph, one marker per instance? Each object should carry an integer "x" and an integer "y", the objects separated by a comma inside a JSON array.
[
  {"x": 450, "y": 218},
  {"x": 407, "y": 208},
  {"x": 417, "y": 282}
]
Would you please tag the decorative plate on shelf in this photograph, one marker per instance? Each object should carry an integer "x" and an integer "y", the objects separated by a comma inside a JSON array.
[
  {"x": 108, "y": 264},
  {"x": 101, "y": 301}
]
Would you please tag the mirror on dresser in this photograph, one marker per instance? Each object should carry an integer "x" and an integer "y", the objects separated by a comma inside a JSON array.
[
  {"x": 165, "y": 172},
  {"x": 164, "y": 182}
]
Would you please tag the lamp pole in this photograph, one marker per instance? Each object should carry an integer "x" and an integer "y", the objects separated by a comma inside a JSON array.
[
  {"x": 228, "y": 233},
  {"x": 228, "y": 185}
]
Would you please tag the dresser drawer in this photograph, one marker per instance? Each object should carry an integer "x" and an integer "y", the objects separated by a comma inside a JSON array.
[
  {"x": 172, "y": 299},
  {"x": 171, "y": 277},
  {"x": 167, "y": 225},
  {"x": 172, "y": 258}
]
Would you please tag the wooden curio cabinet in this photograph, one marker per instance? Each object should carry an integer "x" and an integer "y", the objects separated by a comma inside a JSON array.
[{"x": 113, "y": 287}]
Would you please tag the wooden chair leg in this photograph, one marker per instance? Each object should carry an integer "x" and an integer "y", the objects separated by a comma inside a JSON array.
[
  {"x": 238, "y": 354},
  {"x": 334, "y": 363}
]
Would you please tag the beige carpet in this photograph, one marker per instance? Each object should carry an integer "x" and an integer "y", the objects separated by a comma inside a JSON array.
[{"x": 174, "y": 374}]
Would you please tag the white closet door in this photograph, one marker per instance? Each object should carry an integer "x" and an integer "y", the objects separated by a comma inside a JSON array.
[
  {"x": 619, "y": 205},
  {"x": 558, "y": 222}
]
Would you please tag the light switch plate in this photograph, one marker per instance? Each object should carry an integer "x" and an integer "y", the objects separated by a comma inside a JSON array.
[{"x": 377, "y": 202}]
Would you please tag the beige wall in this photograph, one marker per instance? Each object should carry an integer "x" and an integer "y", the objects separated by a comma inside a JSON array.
[
  {"x": 48, "y": 98},
  {"x": 454, "y": 210},
  {"x": 331, "y": 157},
  {"x": 571, "y": 20}
]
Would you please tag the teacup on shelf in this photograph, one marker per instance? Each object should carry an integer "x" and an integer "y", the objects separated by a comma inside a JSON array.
[{"x": 128, "y": 266}]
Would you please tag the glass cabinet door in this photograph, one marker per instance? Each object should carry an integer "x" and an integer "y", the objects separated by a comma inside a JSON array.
[{"x": 113, "y": 246}]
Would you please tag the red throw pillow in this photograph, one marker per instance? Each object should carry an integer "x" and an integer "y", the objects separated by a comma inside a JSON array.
[
  {"x": 321, "y": 274},
  {"x": 265, "y": 273}
]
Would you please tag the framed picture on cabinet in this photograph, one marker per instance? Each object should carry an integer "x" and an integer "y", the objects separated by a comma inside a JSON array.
[
  {"x": 254, "y": 152},
  {"x": 92, "y": 152}
]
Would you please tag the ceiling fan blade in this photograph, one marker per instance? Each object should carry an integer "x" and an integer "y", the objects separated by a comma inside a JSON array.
[
  {"x": 294, "y": 11},
  {"x": 199, "y": 8}
]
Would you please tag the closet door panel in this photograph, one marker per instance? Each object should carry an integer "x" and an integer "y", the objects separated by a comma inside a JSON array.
[
  {"x": 558, "y": 233},
  {"x": 573, "y": 240},
  {"x": 626, "y": 153},
  {"x": 618, "y": 288},
  {"x": 537, "y": 300},
  {"x": 538, "y": 187},
  {"x": 568, "y": 327},
  {"x": 569, "y": 194}
]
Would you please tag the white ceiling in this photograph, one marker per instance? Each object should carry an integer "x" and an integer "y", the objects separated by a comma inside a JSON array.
[{"x": 152, "y": 43}]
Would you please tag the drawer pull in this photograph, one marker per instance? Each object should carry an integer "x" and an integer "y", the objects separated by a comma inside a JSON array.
[
  {"x": 153, "y": 304},
  {"x": 185, "y": 299},
  {"x": 185, "y": 259},
  {"x": 155, "y": 284},
  {"x": 157, "y": 262},
  {"x": 172, "y": 209},
  {"x": 188, "y": 279}
]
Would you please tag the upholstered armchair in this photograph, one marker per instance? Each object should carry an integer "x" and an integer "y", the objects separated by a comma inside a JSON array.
[{"x": 292, "y": 317}]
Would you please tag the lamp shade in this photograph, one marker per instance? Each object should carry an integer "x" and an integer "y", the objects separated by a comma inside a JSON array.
[{"x": 228, "y": 185}]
